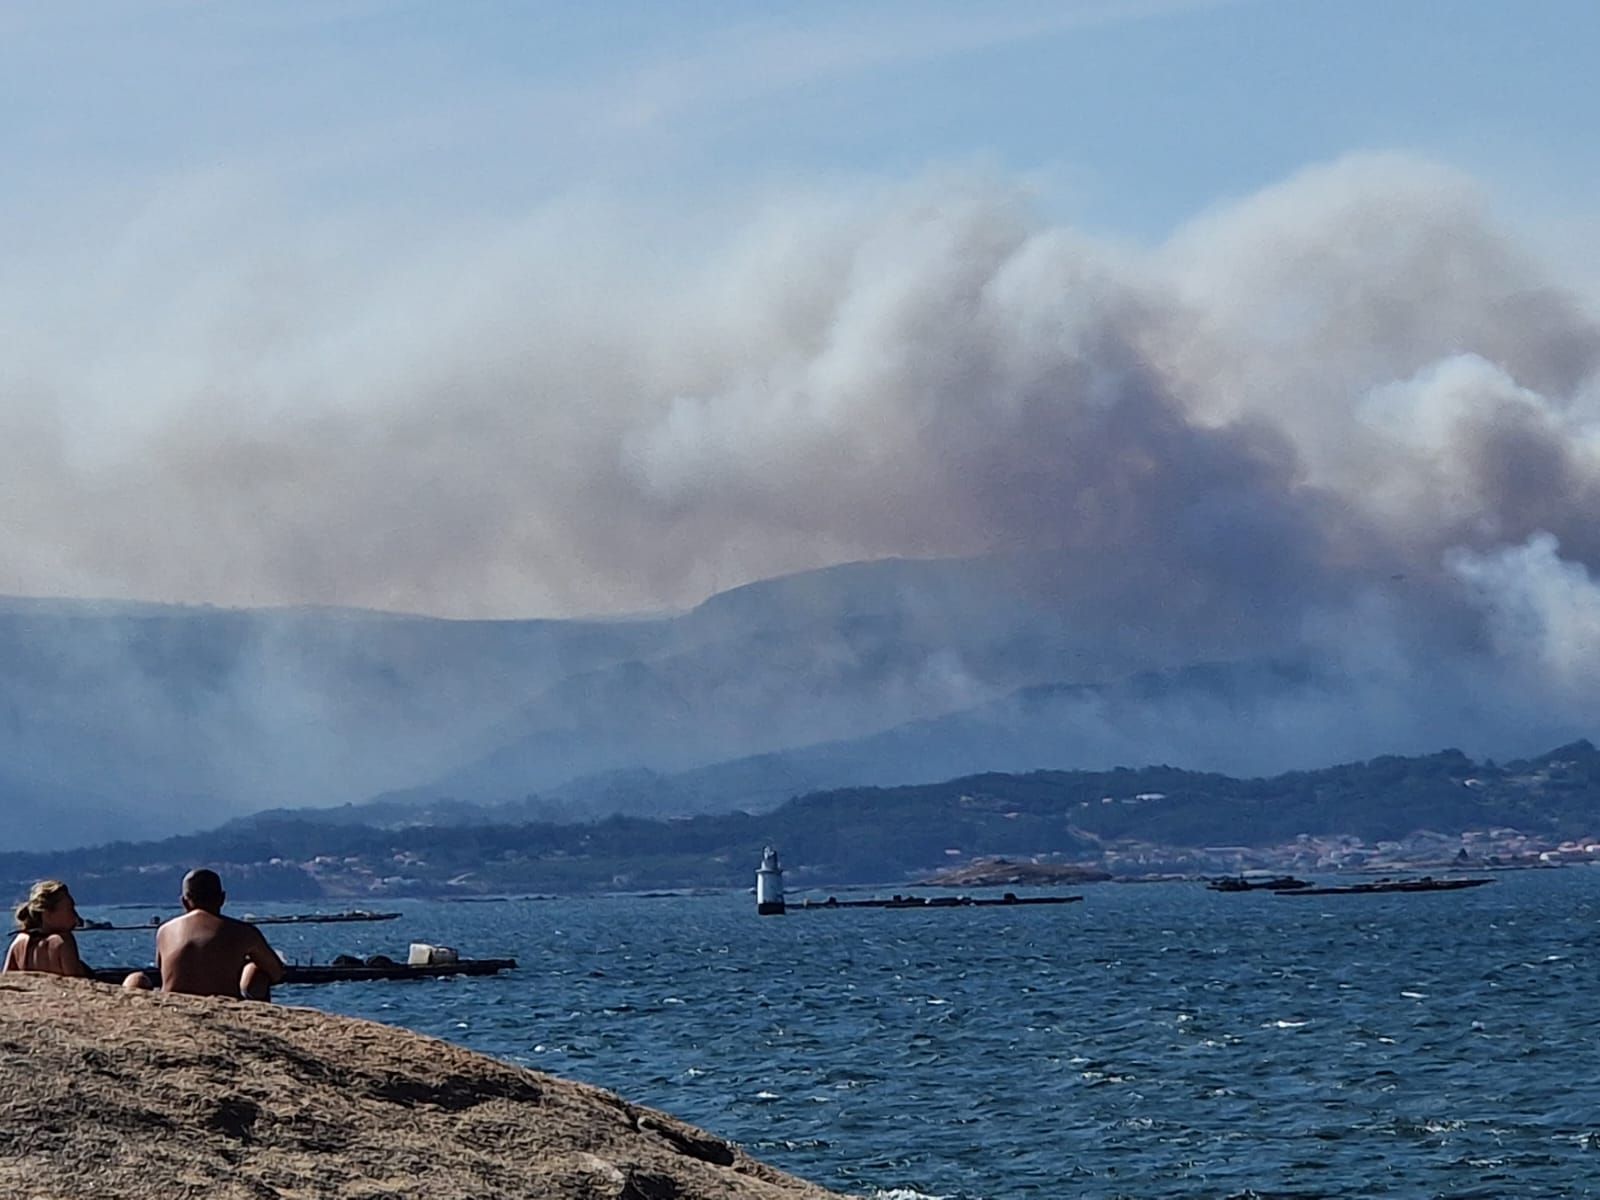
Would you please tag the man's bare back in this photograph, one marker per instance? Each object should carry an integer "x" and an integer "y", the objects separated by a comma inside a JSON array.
[
  {"x": 204, "y": 953},
  {"x": 207, "y": 954}
]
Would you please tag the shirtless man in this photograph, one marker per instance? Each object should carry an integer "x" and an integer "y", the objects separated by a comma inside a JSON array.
[{"x": 204, "y": 953}]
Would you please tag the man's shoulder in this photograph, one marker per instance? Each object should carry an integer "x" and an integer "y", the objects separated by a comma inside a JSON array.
[
  {"x": 233, "y": 928},
  {"x": 176, "y": 925}
]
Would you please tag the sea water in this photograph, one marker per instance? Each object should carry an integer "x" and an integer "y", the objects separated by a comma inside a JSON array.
[{"x": 1156, "y": 1040}]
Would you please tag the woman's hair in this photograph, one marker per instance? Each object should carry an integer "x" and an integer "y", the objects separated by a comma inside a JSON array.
[{"x": 46, "y": 895}]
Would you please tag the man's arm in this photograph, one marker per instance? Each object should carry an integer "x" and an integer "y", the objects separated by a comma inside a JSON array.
[{"x": 265, "y": 957}]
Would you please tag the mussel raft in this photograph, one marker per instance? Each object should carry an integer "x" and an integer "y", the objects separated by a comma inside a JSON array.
[{"x": 362, "y": 972}]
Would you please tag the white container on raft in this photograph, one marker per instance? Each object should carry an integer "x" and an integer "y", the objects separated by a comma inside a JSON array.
[{"x": 425, "y": 955}]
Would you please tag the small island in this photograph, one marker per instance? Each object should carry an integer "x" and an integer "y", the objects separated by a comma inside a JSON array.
[{"x": 1003, "y": 872}]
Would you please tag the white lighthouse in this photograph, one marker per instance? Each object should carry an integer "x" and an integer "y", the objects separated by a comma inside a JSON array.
[{"x": 769, "y": 885}]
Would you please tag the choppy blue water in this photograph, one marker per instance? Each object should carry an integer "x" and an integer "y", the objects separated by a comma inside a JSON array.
[{"x": 1157, "y": 1040}]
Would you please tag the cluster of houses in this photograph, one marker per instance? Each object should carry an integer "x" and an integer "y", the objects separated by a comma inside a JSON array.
[{"x": 1309, "y": 853}]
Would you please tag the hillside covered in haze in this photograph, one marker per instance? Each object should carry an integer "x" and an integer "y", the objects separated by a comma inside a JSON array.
[
  {"x": 125, "y": 721},
  {"x": 1311, "y": 477}
]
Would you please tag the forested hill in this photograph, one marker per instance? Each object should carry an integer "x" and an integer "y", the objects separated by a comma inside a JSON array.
[{"x": 860, "y": 834}]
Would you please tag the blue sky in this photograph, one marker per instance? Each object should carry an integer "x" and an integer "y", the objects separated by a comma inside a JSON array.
[
  {"x": 1126, "y": 116},
  {"x": 505, "y": 309}
]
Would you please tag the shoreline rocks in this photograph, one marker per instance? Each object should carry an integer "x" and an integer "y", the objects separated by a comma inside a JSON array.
[
  {"x": 1004, "y": 872},
  {"x": 105, "y": 1092}
]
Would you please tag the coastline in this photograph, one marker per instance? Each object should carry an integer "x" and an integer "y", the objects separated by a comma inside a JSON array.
[{"x": 107, "y": 1093}]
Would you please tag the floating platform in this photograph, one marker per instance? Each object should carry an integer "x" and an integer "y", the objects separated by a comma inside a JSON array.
[
  {"x": 323, "y": 918},
  {"x": 312, "y": 973},
  {"x": 1386, "y": 886},
  {"x": 363, "y": 974},
  {"x": 1009, "y": 900},
  {"x": 1248, "y": 883},
  {"x": 289, "y": 919}
]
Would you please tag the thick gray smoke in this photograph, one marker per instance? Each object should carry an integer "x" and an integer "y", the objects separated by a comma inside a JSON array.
[
  {"x": 1347, "y": 418},
  {"x": 1341, "y": 378}
]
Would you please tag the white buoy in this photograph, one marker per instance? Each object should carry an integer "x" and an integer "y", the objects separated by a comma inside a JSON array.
[{"x": 769, "y": 885}]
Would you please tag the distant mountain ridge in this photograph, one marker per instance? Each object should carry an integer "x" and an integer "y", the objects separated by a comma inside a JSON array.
[
  {"x": 179, "y": 715},
  {"x": 129, "y": 720},
  {"x": 865, "y": 834},
  {"x": 1031, "y": 728}
]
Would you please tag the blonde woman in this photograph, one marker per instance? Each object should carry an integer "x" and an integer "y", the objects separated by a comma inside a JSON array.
[{"x": 44, "y": 940}]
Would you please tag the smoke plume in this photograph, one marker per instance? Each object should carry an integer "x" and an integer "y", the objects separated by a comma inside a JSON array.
[{"x": 1348, "y": 418}]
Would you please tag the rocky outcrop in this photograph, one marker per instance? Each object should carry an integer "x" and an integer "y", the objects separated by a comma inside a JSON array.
[
  {"x": 105, "y": 1092},
  {"x": 1002, "y": 872}
]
